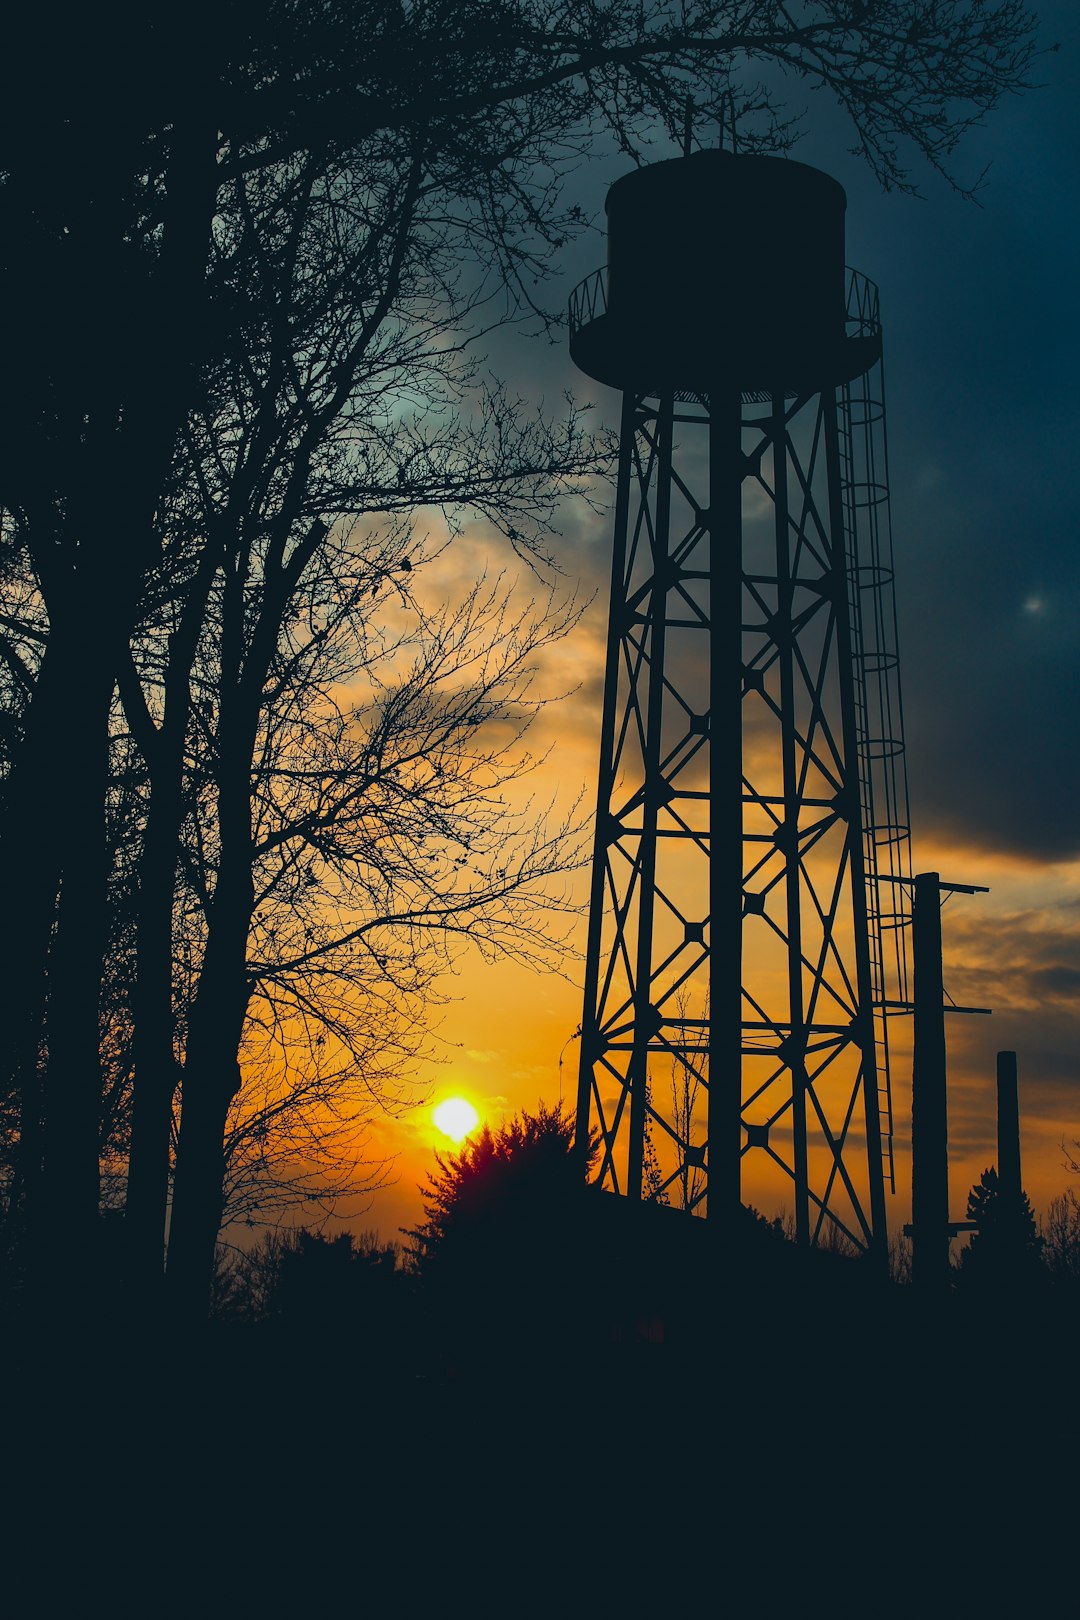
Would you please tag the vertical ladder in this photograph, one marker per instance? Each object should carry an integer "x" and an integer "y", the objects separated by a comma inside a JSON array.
[{"x": 878, "y": 706}]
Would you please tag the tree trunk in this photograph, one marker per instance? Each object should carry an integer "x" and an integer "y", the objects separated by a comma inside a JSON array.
[
  {"x": 155, "y": 1064},
  {"x": 197, "y": 1192},
  {"x": 54, "y": 844},
  {"x": 211, "y": 1071},
  {"x": 211, "y": 1080},
  {"x": 31, "y": 852},
  {"x": 70, "y": 1186},
  {"x": 156, "y": 1068}
]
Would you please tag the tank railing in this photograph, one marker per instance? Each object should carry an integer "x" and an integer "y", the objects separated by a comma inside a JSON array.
[
  {"x": 862, "y": 306},
  {"x": 588, "y": 300},
  {"x": 862, "y": 317}
]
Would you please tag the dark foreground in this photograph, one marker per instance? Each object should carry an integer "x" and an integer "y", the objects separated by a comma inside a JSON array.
[{"x": 770, "y": 1441}]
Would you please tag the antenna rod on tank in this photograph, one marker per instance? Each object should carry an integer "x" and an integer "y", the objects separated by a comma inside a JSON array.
[{"x": 688, "y": 126}]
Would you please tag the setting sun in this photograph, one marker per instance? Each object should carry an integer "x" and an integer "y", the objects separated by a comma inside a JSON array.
[{"x": 455, "y": 1118}]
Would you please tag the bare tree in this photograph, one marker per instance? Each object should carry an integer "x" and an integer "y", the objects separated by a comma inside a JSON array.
[
  {"x": 674, "y": 1171},
  {"x": 1060, "y": 1233},
  {"x": 381, "y": 840},
  {"x": 274, "y": 608},
  {"x": 1059, "y": 1228}
]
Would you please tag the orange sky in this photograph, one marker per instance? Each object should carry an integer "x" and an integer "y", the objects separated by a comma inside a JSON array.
[
  {"x": 502, "y": 1033},
  {"x": 979, "y": 313}
]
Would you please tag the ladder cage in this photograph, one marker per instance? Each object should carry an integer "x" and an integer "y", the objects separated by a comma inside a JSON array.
[
  {"x": 748, "y": 936},
  {"x": 879, "y": 714}
]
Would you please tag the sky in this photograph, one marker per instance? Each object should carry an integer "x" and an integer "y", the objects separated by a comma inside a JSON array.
[{"x": 979, "y": 310}]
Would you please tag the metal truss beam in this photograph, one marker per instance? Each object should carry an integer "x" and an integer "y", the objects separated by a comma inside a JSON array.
[{"x": 728, "y": 1038}]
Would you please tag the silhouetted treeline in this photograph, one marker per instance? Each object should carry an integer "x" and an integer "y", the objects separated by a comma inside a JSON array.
[
  {"x": 614, "y": 1368},
  {"x": 517, "y": 1264}
]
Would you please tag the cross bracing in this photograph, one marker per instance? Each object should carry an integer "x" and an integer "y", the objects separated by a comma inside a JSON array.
[{"x": 729, "y": 1043}]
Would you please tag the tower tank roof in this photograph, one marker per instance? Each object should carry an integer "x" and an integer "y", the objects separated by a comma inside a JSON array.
[
  {"x": 715, "y": 175},
  {"x": 724, "y": 270}
]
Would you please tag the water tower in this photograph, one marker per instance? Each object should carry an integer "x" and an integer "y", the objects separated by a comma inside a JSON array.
[{"x": 747, "y": 927}]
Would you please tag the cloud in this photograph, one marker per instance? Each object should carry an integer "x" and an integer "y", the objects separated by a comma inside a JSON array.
[{"x": 982, "y": 415}]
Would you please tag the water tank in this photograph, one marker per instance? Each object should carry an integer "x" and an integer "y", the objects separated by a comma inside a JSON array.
[{"x": 724, "y": 270}]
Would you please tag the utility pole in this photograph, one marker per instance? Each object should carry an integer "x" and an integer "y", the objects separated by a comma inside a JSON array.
[
  {"x": 929, "y": 1106},
  {"x": 1008, "y": 1129},
  {"x": 931, "y": 1229}
]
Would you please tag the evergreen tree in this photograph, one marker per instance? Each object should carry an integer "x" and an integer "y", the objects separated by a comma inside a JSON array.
[
  {"x": 499, "y": 1186},
  {"x": 503, "y": 1251},
  {"x": 1007, "y": 1249}
]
